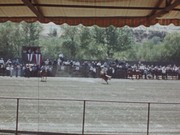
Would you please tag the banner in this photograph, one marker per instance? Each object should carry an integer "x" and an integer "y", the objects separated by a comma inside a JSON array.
[
  {"x": 30, "y": 57},
  {"x": 38, "y": 58}
]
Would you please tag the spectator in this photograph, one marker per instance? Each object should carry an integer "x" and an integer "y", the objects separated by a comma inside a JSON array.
[
  {"x": 47, "y": 62},
  {"x": 8, "y": 62},
  {"x": 1, "y": 61},
  {"x": 11, "y": 70},
  {"x": 61, "y": 57},
  {"x": 178, "y": 73}
]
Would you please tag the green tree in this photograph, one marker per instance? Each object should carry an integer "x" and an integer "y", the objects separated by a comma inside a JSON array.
[
  {"x": 111, "y": 40},
  {"x": 99, "y": 34},
  {"x": 172, "y": 47},
  {"x": 15, "y": 35},
  {"x": 85, "y": 39},
  {"x": 125, "y": 39},
  {"x": 89, "y": 48},
  {"x": 115, "y": 40},
  {"x": 70, "y": 37},
  {"x": 6, "y": 47},
  {"x": 51, "y": 47},
  {"x": 156, "y": 50},
  {"x": 31, "y": 33}
]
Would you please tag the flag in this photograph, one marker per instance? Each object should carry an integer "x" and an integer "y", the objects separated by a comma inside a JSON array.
[
  {"x": 38, "y": 58},
  {"x": 30, "y": 57}
]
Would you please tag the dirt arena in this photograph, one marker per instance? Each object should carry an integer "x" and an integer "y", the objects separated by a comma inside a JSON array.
[{"x": 128, "y": 116}]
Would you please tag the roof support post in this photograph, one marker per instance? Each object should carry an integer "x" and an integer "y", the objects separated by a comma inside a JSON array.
[
  {"x": 154, "y": 14},
  {"x": 164, "y": 11},
  {"x": 35, "y": 10}
]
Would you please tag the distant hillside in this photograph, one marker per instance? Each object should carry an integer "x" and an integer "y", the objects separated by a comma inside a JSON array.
[
  {"x": 48, "y": 27},
  {"x": 157, "y": 27},
  {"x": 140, "y": 33},
  {"x": 157, "y": 31}
]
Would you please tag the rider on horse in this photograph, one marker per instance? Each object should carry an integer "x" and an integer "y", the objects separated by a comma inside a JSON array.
[
  {"x": 43, "y": 73},
  {"x": 103, "y": 74}
]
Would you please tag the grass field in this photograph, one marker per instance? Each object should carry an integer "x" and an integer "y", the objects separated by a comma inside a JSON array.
[{"x": 64, "y": 116}]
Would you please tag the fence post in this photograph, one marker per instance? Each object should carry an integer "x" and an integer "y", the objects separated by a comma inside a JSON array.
[
  {"x": 17, "y": 115},
  {"x": 84, "y": 110},
  {"x": 148, "y": 119}
]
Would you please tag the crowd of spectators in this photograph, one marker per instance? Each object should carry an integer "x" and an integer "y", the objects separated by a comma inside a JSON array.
[
  {"x": 114, "y": 68},
  {"x": 120, "y": 69},
  {"x": 16, "y": 68}
]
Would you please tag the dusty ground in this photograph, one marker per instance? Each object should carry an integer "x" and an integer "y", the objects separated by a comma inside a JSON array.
[{"x": 100, "y": 117}]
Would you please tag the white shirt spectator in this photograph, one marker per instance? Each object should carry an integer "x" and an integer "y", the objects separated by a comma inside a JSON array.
[
  {"x": 2, "y": 61},
  {"x": 77, "y": 63},
  {"x": 61, "y": 55},
  {"x": 8, "y": 62},
  {"x": 178, "y": 70},
  {"x": 99, "y": 64},
  {"x": 164, "y": 70},
  {"x": 47, "y": 62},
  {"x": 141, "y": 67}
]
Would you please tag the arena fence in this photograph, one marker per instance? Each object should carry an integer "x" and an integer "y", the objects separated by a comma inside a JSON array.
[{"x": 85, "y": 113}]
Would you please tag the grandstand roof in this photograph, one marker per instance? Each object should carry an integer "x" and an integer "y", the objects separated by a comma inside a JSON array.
[{"x": 92, "y": 12}]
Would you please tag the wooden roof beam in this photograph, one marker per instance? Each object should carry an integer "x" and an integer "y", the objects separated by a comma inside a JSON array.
[
  {"x": 164, "y": 11},
  {"x": 38, "y": 8},
  {"x": 33, "y": 9},
  {"x": 158, "y": 4},
  {"x": 85, "y": 6}
]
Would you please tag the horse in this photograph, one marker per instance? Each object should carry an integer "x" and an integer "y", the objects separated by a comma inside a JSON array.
[
  {"x": 105, "y": 77},
  {"x": 43, "y": 75}
]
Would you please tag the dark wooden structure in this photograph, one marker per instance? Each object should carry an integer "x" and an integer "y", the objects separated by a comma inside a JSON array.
[
  {"x": 92, "y": 12},
  {"x": 31, "y": 54}
]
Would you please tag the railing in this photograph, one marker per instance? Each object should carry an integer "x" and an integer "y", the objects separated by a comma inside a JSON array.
[{"x": 84, "y": 116}]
